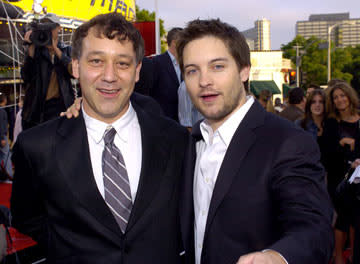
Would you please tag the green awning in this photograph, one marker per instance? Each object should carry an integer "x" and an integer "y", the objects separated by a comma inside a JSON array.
[
  {"x": 286, "y": 89},
  {"x": 257, "y": 86}
]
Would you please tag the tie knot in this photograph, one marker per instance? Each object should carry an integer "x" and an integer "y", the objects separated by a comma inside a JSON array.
[{"x": 109, "y": 135}]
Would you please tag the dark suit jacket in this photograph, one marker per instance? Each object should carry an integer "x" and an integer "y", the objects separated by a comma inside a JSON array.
[
  {"x": 269, "y": 194},
  {"x": 166, "y": 85},
  {"x": 146, "y": 78},
  {"x": 56, "y": 201}
]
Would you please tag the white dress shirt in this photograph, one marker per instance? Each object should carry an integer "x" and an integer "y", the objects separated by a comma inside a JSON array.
[
  {"x": 210, "y": 154},
  {"x": 127, "y": 140}
]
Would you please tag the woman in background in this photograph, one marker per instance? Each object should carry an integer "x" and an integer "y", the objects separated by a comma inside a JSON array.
[
  {"x": 341, "y": 146},
  {"x": 313, "y": 121}
]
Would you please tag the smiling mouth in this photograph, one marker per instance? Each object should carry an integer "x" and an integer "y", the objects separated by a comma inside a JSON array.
[{"x": 108, "y": 93}]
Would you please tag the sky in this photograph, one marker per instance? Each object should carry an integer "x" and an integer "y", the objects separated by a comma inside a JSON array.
[{"x": 242, "y": 14}]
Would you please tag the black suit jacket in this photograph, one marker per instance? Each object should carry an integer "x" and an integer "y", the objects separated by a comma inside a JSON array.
[
  {"x": 269, "y": 194},
  {"x": 146, "y": 78},
  {"x": 166, "y": 85},
  {"x": 56, "y": 201}
]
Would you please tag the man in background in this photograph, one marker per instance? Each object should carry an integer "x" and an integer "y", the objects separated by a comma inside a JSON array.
[
  {"x": 167, "y": 77},
  {"x": 47, "y": 75},
  {"x": 295, "y": 109},
  {"x": 188, "y": 114}
]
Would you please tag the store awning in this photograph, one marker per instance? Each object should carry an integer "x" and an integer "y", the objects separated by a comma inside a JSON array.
[{"x": 257, "y": 86}]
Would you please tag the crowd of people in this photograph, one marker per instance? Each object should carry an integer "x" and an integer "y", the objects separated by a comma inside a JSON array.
[
  {"x": 119, "y": 179},
  {"x": 332, "y": 117}
]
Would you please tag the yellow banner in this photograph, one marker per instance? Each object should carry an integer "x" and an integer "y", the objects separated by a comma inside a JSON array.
[{"x": 81, "y": 9}]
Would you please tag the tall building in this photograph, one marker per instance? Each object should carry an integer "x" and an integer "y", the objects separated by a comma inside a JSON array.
[
  {"x": 259, "y": 35},
  {"x": 346, "y": 31}
]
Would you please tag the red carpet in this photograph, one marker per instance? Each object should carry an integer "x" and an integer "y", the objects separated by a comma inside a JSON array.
[{"x": 19, "y": 241}]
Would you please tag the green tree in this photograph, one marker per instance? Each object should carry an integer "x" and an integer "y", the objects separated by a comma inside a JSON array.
[
  {"x": 313, "y": 66},
  {"x": 143, "y": 15},
  {"x": 345, "y": 62},
  {"x": 353, "y": 67}
]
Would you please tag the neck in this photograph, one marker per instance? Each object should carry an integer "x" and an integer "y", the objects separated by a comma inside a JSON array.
[
  {"x": 215, "y": 124},
  {"x": 345, "y": 114},
  {"x": 317, "y": 119},
  {"x": 300, "y": 106}
]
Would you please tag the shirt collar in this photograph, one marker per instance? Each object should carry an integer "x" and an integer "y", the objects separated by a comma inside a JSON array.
[
  {"x": 96, "y": 128},
  {"x": 172, "y": 57},
  {"x": 227, "y": 130}
]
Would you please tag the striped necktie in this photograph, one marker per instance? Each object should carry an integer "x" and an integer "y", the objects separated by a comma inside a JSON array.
[{"x": 116, "y": 181}]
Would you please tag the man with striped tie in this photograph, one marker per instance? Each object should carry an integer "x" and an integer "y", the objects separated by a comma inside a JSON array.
[{"x": 103, "y": 187}]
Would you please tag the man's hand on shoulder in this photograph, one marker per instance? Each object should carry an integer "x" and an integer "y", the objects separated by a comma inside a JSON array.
[
  {"x": 73, "y": 110},
  {"x": 265, "y": 257}
]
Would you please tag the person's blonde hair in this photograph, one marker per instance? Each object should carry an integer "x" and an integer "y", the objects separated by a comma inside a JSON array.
[{"x": 350, "y": 94}]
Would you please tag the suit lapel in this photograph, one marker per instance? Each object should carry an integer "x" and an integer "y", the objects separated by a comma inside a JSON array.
[
  {"x": 155, "y": 155},
  {"x": 240, "y": 144},
  {"x": 171, "y": 70},
  {"x": 72, "y": 154},
  {"x": 186, "y": 199}
]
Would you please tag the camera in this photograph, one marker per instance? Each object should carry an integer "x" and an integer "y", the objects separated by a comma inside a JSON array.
[{"x": 42, "y": 33}]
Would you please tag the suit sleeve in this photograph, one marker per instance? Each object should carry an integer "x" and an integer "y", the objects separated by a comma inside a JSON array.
[
  {"x": 28, "y": 71},
  {"x": 302, "y": 203},
  {"x": 27, "y": 205}
]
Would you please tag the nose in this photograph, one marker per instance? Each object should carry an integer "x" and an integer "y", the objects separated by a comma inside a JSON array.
[
  {"x": 109, "y": 73},
  {"x": 204, "y": 79}
]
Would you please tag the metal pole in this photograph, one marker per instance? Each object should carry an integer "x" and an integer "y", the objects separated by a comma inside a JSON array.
[
  {"x": 157, "y": 29},
  {"x": 329, "y": 54},
  {"x": 297, "y": 66}
]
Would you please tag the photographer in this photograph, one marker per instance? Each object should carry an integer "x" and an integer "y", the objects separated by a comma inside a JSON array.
[{"x": 46, "y": 73}]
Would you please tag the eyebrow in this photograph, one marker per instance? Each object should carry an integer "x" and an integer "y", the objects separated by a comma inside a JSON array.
[
  {"x": 218, "y": 59},
  {"x": 210, "y": 62},
  {"x": 101, "y": 53}
]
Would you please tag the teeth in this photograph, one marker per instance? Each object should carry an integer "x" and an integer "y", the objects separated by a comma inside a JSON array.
[{"x": 108, "y": 91}]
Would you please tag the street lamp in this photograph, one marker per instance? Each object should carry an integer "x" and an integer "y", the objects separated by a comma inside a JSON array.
[{"x": 330, "y": 28}]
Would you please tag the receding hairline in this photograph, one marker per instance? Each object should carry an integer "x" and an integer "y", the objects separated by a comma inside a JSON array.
[{"x": 97, "y": 32}]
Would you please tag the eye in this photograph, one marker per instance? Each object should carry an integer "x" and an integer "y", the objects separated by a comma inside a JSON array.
[
  {"x": 95, "y": 62},
  {"x": 190, "y": 71},
  {"x": 219, "y": 66},
  {"x": 123, "y": 64}
]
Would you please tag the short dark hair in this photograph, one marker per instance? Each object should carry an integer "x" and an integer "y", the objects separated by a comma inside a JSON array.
[
  {"x": 296, "y": 95},
  {"x": 313, "y": 85},
  {"x": 233, "y": 39},
  {"x": 173, "y": 34},
  {"x": 109, "y": 25}
]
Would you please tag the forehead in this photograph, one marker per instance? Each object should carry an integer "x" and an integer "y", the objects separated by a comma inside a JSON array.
[
  {"x": 97, "y": 42},
  {"x": 317, "y": 97},
  {"x": 338, "y": 91},
  {"x": 205, "y": 49}
]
